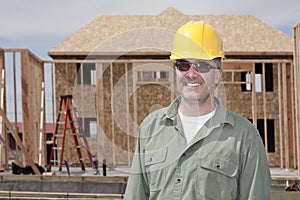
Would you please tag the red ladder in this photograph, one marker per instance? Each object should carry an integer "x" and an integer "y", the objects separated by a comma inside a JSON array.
[{"x": 66, "y": 102}]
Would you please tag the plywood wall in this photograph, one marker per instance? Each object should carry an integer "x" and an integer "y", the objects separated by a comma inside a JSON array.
[
  {"x": 32, "y": 76},
  {"x": 296, "y": 34},
  {"x": 121, "y": 99}
]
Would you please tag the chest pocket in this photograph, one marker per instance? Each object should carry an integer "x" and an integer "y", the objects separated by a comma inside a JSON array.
[
  {"x": 155, "y": 167},
  {"x": 153, "y": 157},
  {"x": 220, "y": 165},
  {"x": 217, "y": 177}
]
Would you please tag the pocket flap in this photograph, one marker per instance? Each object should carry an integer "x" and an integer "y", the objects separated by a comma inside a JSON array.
[
  {"x": 155, "y": 156},
  {"x": 220, "y": 165}
]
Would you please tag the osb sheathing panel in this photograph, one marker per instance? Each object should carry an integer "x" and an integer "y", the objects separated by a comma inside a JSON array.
[
  {"x": 65, "y": 82},
  {"x": 84, "y": 100},
  {"x": 115, "y": 147},
  {"x": 140, "y": 102},
  {"x": 66, "y": 75},
  {"x": 115, "y": 134},
  {"x": 241, "y": 102}
]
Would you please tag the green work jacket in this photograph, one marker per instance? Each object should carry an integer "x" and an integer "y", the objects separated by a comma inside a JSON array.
[{"x": 225, "y": 160}]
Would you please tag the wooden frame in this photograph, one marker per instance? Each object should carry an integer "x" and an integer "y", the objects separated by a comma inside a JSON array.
[
  {"x": 288, "y": 105},
  {"x": 33, "y": 123},
  {"x": 285, "y": 94}
]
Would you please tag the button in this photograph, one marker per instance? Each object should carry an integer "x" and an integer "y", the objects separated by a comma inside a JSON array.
[{"x": 178, "y": 180}]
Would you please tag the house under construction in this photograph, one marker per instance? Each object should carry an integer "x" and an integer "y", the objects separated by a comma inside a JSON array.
[{"x": 117, "y": 70}]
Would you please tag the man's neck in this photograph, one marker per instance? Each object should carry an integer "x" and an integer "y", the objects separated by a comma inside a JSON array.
[{"x": 195, "y": 109}]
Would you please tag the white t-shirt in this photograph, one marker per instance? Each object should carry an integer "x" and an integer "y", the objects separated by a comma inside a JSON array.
[{"x": 191, "y": 125}]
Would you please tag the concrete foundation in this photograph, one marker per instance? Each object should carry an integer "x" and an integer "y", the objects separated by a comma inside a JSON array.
[
  {"x": 65, "y": 184},
  {"x": 85, "y": 185}
]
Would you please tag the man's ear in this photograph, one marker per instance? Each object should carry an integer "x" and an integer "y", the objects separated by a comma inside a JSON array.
[{"x": 218, "y": 76}]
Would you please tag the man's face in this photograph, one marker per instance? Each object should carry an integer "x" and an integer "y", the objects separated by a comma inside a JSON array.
[{"x": 198, "y": 86}]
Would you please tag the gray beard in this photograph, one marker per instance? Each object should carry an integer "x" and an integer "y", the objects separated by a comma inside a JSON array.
[{"x": 194, "y": 101}]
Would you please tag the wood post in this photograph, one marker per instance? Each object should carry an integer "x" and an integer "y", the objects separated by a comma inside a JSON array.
[
  {"x": 296, "y": 34},
  {"x": 3, "y": 134},
  {"x": 19, "y": 143}
]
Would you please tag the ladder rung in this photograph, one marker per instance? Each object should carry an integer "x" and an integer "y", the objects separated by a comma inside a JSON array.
[
  {"x": 62, "y": 128},
  {"x": 59, "y": 135},
  {"x": 71, "y": 127}
]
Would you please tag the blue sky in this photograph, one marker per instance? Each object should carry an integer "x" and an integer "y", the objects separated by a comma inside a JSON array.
[{"x": 39, "y": 25}]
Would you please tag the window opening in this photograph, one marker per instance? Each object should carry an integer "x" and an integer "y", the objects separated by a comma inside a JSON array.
[
  {"x": 90, "y": 127},
  {"x": 270, "y": 133},
  {"x": 246, "y": 77},
  {"x": 86, "y": 75}
]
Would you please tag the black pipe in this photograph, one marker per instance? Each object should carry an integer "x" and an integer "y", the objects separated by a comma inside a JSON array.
[{"x": 104, "y": 167}]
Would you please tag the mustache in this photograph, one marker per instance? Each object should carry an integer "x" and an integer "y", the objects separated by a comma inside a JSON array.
[{"x": 192, "y": 80}]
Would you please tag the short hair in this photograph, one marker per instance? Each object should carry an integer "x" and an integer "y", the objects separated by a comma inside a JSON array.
[{"x": 218, "y": 62}]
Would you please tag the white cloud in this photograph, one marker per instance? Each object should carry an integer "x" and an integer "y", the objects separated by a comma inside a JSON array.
[
  {"x": 40, "y": 25},
  {"x": 66, "y": 16},
  {"x": 63, "y": 17}
]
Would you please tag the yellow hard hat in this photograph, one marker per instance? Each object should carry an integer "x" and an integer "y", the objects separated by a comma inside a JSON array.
[{"x": 197, "y": 40}]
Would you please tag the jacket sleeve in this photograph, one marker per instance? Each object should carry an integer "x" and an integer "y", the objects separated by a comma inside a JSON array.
[
  {"x": 137, "y": 187},
  {"x": 255, "y": 178}
]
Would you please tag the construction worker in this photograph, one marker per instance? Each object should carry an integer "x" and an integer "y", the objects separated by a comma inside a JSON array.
[{"x": 196, "y": 148}]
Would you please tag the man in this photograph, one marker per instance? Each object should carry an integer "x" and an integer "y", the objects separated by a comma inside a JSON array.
[{"x": 195, "y": 148}]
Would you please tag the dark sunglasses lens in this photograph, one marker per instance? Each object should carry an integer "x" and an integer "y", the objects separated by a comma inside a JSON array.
[
  {"x": 183, "y": 65},
  {"x": 202, "y": 67}
]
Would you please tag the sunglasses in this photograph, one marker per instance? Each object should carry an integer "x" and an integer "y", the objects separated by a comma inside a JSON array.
[{"x": 200, "y": 66}]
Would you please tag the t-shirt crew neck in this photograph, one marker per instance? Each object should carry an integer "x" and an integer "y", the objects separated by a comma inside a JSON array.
[{"x": 191, "y": 125}]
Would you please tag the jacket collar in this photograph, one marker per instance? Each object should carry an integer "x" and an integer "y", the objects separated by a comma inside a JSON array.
[{"x": 220, "y": 117}]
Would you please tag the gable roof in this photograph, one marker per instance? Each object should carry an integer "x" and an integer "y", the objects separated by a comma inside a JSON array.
[{"x": 241, "y": 34}]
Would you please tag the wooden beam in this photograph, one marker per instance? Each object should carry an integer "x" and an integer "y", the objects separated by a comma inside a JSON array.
[
  {"x": 25, "y": 77},
  {"x": 32, "y": 76},
  {"x": 296, "y": 35},
  {"x": 285, "y": 119},
  {"x": 112, "y": 114},
  {"x": 265, "y": 106},
  {"x": 129, "y": 158},
  {"x": 15, "y": 96},
  {"x": 19, "y": 142},
  {"x": 100, "y": 108},
  {"x": 293, "y": 120},
  {"x": 3, "y": 134},
  {"x": 253, "y": 96},
  {"x": 230, "y": 61},
  {"x": 281, "y": 138},
  {"x": 42, "y": 137},
  {"x": 289, "y": 115},
  {"x": 237, "y": 66}
]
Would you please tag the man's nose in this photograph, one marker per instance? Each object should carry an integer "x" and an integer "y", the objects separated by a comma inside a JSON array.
[{"x": 192, "y": 71}]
